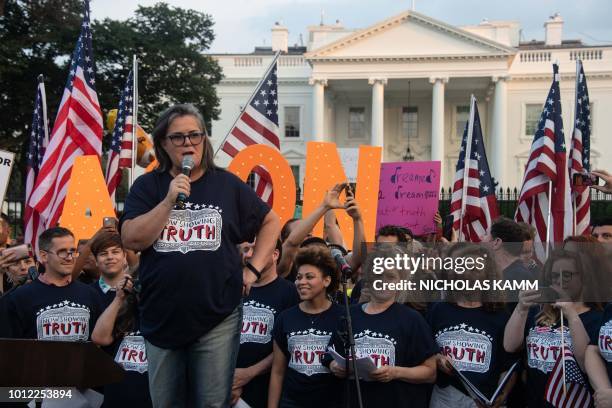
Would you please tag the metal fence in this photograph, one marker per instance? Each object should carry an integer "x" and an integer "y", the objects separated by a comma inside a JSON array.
[{"x": 601, "y": 205}]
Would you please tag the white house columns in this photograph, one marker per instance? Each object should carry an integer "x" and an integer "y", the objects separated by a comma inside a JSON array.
[
  {"x": 500, "y": 125},
  {"x": 378, "y": 111},
  {"x": 318, "y": 108},
  {"x": 437, "y": 118}
]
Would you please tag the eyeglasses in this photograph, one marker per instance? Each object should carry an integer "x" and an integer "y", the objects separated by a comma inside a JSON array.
[
  {"x": 65, "y": 253},
  {"x": 565, "y": 275},
  {"x": 179, "y": 139}
]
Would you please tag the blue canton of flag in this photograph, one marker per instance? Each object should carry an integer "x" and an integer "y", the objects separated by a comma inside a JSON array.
[{"x": 266, "y": 99}]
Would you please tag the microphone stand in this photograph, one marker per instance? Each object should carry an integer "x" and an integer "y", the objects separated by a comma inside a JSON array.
[{"x": 349, "y": 344}]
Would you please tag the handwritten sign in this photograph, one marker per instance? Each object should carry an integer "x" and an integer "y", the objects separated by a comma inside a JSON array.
[{"x": 408, "y": 195}]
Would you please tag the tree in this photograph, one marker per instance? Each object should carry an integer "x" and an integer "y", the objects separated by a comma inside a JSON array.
[
  {"x": 169, "y": 43},
  {"x": 38, "y": 36}
]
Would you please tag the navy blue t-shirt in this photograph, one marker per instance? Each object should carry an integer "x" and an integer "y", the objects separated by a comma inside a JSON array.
[
  {"x": 399, "y": 336},
  {"x": 543, "y": 346},
  {"x": 133, "y": 391},
  {"x": 191, "y": 276},
  {"x": 49, "y": 312},
  {"x": 304, "y": 338},
  {"x": 108, "y": 297},
  {"x": 604, "y": 340},
  {"x": 474, "y": 339},
  {"x": 260, "y": 309}
]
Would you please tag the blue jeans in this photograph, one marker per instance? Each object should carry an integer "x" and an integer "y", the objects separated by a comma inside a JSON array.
[{"x": 199, "y": 375}]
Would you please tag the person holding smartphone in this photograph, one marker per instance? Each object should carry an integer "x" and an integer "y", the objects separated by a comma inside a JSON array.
[{"x": 537, "y": 327}]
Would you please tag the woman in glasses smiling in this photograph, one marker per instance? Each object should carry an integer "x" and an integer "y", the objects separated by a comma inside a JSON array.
[{"x": 190, "y": 270}]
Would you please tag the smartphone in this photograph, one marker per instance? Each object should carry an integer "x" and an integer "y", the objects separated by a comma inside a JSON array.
[
  {"x": 447, "y": 226},
  {"x": 588, "y": 179},
  {"x": 20, "y": 251},
  {"x": 109, "y": 222},
  {"x": 32, "y": 273},
  {"x": 548, "y": 295}
]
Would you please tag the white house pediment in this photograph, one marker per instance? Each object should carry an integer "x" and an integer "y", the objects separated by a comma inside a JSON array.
[
  {"x": 293, "y": 154},
  {"x": 410, "y": 35}
]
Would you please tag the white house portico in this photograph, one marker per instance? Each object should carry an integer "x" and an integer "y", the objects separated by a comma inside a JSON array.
[{"x": 405, "y": 83}]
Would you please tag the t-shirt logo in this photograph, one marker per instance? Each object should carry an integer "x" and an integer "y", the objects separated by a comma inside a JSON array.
[
  {"x": 64, "y": 321},
  {"x": 306, "y": 350},
  {"x": 132, "y": 355},
  {"x": 469, "y": 348},
  {"x": 605, "y": 341},
  {"x": 378, "y": 346},
  {"x": 257, "y": 323},
  {"x": 197, "y": 229},
  {"x": 544, "y": 347}
]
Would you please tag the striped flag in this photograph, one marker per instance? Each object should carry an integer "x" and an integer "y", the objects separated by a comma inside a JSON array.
[
  {"x": 576, "y": 393},
  {"x": 547, "y": 169},
  {"x": 473, "y": 204},
  {"x": 120, "y": 153},
  {"x": 579, "y": 157},
  {"x": 258, "y": 124},
  {"x": 39, "y": 137},
  {"x": 77, "y": 130}
]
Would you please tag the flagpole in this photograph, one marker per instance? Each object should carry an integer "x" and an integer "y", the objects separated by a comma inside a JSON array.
[
  {"x": 563, "y": 349},
  {"x": 134, "y": 118},
  {"x": 41, "y": 81},
  {"x": 248, "y": 102},
  {"x": 466, "y": 166},
  {"x": 548, "y": 216}
]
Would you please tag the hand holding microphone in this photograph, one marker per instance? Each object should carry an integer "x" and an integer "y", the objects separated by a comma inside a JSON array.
[{"x": 180, "y": 186}]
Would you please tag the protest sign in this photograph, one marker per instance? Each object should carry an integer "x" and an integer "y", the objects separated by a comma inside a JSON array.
[
  {"x": 408, "y": 195},
  {"x": 6, "y": 165}
]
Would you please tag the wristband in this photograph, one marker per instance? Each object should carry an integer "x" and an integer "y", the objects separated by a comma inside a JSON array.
[{"x": 253, "y": 269}]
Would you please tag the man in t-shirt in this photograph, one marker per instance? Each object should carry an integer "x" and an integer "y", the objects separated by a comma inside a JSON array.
[
  {"x": 111, "y": 262},
  {"x": 506, "y": 244},
  {"x": 269, "y": 296},
  {"x": 54, "y": 307}
]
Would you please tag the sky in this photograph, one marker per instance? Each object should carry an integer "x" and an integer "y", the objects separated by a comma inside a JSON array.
[{"x": 240, "y": 25}]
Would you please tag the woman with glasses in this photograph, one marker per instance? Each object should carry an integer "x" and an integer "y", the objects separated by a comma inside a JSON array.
[
  {"x": 190, "y": 269},
  {"x": 566, "y": 285}
]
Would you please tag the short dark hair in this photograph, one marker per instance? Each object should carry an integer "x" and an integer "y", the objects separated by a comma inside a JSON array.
[
  {"x": 313, "y": 241},
  {"x": 510, "y": 233},
  {"x": 161, "y": 129},
  {"x": 284, "y": 234},
  {"x": 104, "y": 241},
  {"x": 394, "y": 231},
  {"x": 602, "y": 221},
  {"x": 44, "y": 239},
  {"x": 528, "y": 230},
  {"x": 320, "y": 258}
]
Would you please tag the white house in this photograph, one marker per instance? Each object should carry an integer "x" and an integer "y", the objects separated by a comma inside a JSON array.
[{"x": 405, "y": 82}]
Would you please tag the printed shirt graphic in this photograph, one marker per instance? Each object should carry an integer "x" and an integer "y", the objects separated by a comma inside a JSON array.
[
  {"x": 64, "y": 321},
  {"x": 604, "y": 339},
  {"x": 131, "y": 354},
  {"x": 197, "y": 228},
  {"x": 544, "y": 347},
  {"x": 469, "y": 348},
  {"x": 379, "y": 347},
  {"x": 257, "y": 323},
  {"x": 306, "y": 350}
]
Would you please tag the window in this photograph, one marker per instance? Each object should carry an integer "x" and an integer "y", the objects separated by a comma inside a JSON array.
[
  {"x": 410, "y": 122},
  {"x": 292, "y": 121},
  {"x": 356, "y": 123},
  {"x": 295, "y": 169},
  {"x": 462, "y": 115},
  {"x": 532, "y": 118}
]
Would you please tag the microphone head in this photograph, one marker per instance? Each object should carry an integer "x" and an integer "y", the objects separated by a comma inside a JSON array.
[{"x": 188, "y": 162}]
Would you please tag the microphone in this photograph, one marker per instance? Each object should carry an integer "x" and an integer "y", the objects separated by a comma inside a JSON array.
[
  {"x": 340, "y": 260},
  {"x": 186, "y": 167}
]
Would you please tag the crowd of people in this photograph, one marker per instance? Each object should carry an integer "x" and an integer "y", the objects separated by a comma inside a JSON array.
[{"x": 216, "y": 304}]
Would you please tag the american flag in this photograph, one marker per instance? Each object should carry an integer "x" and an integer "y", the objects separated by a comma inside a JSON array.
[
  {"x": 39, "y": 137},
  {"x": 576, "y": 393},
  {"x": 77, "y": 130},
  {"x": 476, "y": 203},
  {"x": 258, "y": 124},
  {"x": 579, "y": 158},
  {"x": 547, "y": 164},
  {"x": 120, "y": 154}
]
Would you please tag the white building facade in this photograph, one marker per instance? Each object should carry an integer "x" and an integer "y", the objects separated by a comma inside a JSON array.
[{"x": 405, "y": 83}]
